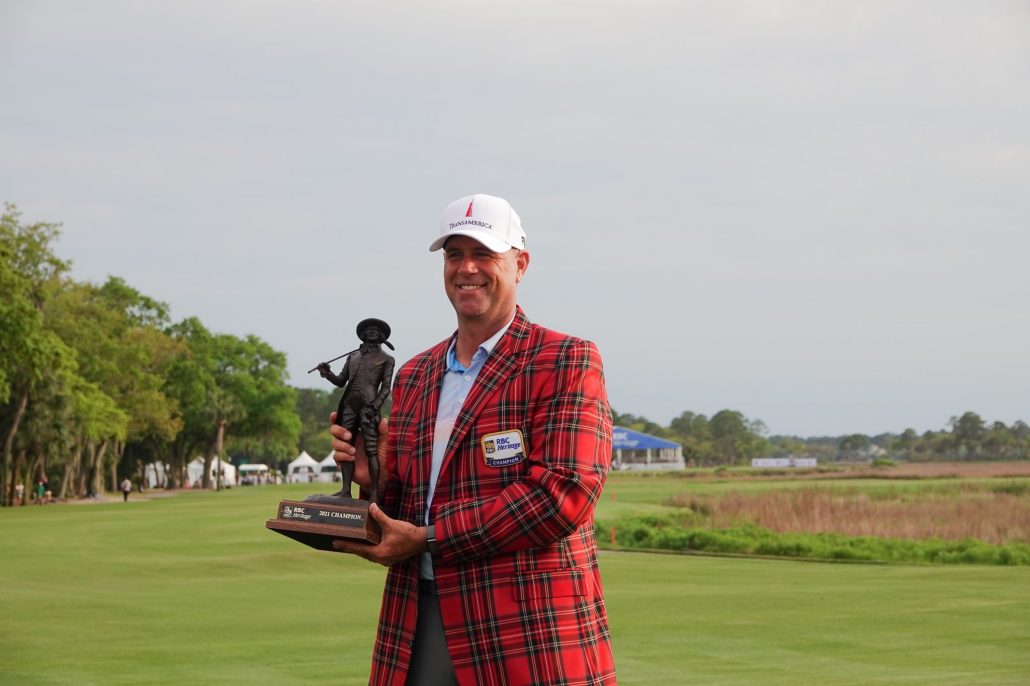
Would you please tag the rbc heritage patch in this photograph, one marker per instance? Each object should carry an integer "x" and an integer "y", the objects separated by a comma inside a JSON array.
[{"x": 503, "y": 448}]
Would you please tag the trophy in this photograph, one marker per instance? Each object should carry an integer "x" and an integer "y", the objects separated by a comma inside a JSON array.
[{"x": 365, "y": 379}]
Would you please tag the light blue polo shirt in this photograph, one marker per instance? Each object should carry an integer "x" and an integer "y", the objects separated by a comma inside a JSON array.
[{"x": 457, "y": 383}]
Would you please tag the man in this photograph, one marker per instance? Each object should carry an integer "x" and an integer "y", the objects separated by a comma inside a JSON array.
[{"x": 499, "y": 442}]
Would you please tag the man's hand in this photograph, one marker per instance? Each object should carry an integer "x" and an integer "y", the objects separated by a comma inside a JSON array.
[
  {"x": 345, "y": 450},
  {"x": 324, "y": 369},
  {"x": 400, "y": 540}
]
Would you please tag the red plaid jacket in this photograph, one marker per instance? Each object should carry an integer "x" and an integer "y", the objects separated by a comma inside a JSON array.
[{"x": 520, "y": 591}]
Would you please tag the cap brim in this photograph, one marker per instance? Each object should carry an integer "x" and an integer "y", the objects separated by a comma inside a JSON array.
[{"x": 493, "y": 244}]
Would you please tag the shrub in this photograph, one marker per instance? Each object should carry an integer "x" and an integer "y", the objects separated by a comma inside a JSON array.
[
  {"x": 670, "y": 532},
  {"x": 1016, "y": 488}
]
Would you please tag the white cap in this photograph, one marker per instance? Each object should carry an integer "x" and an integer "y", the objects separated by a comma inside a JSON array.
[{"x": 488, "y": 219}]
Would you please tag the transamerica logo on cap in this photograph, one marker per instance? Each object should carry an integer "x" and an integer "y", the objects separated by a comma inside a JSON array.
[
  {"x": 468, "y": 212},
  {"x": 473, "y": 222}
]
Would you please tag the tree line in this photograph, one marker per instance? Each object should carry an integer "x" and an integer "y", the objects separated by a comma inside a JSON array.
[
  {"x": 730, "y": 438},
  {"x": 967, "y": 437},
  {"x": 97, "y": 380}
]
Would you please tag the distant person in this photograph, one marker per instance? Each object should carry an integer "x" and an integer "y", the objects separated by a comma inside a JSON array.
[
  {"x": 126, "y": 489},
  {"x": 40, "y": 492},
  {"x": 19, "y": 494}
]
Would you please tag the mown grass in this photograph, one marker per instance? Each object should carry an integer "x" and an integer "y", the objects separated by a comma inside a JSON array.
[
  {"x": 735, "y": 622},
  {"x": 193, "y": 589},
  {"x": 190, "y": 589}
]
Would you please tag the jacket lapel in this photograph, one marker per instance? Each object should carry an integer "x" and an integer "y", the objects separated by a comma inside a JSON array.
[
  {"x": 432, "y": 377},
  {"x": 505, "y": 358}
]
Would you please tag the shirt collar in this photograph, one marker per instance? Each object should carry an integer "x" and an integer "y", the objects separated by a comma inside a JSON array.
[{"x": 484, "y": 350}]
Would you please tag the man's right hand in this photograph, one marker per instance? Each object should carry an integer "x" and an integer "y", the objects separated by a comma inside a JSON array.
[{"x": 345, "y": 449}]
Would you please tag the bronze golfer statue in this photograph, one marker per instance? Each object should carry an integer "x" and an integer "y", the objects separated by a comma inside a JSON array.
[{"x": 365, "y": 379}]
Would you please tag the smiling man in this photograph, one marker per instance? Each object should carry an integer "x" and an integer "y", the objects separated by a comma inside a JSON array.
[{"x": 499, "y": 442}]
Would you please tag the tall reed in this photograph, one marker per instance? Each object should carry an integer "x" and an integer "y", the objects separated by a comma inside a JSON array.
[{"x": 994, "y": 513}]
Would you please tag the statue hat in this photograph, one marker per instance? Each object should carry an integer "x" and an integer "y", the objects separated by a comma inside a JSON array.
[{"x": 384, "y": 329}]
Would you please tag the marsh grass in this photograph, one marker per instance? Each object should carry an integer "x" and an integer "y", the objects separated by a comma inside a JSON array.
[{"x": 995, "y": 513}]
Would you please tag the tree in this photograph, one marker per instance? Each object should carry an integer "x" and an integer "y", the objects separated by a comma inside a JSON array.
[
  {"x": 98, "y": 422},
  {"x": 192, "y": 383},
  {"x": 270, "y": 426},
  {"x": 28, "y": 352},
  {"x": 122, "y": 353},
  {"x": 906, "y": 443},
  {"x": 1021, "y": 437},
  {"x": 642, "y": 424},
  {"x": 233, "y": 385},
  {"x": 734, "y": 439},
  {"x": 694, "y": 433},
  {"x": 313, "y": 408},
  {"x": 999, "y": 442},
  {"x": 852, "y": 446},
  {"x": 144, "y": 352},
  {"x": 968, "y": 432},
  {"x": 787, "y": 446},
  {"x": 689, "y": 424}
]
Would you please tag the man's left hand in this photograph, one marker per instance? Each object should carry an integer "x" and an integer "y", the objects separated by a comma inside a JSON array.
[{"x": 400, "y": 540}]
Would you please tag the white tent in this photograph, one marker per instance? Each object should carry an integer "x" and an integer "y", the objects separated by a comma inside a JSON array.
[
  {"x": 195, "y": 471},
  {"x": 155, "y": 475},
  {"x": 253, "y": 474},
  {"x": 304, "y": 469},
  {"x": 328, "y": 472}
]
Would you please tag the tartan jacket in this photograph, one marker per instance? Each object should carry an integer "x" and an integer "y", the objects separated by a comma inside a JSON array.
[{"x": 520, "y": 590}]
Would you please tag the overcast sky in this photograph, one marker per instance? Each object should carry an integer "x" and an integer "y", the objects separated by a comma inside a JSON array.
[{"x": 817, "y": 213}]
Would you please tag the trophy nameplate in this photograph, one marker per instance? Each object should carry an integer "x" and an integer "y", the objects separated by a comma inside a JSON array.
[{"x": 318, "y": 524}]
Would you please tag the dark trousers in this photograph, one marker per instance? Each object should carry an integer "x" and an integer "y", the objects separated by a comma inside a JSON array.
[{"x": 430, "y": 661}]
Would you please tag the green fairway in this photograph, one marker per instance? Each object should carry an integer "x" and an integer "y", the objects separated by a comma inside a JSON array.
[{"x": 193, "y": 589}]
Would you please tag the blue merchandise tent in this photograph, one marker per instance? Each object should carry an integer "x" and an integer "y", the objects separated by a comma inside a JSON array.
[{"x": 635, "y": 450}]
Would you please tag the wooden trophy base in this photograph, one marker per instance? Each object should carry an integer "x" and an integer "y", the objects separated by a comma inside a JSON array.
[{"x": 319, "y": 523}]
